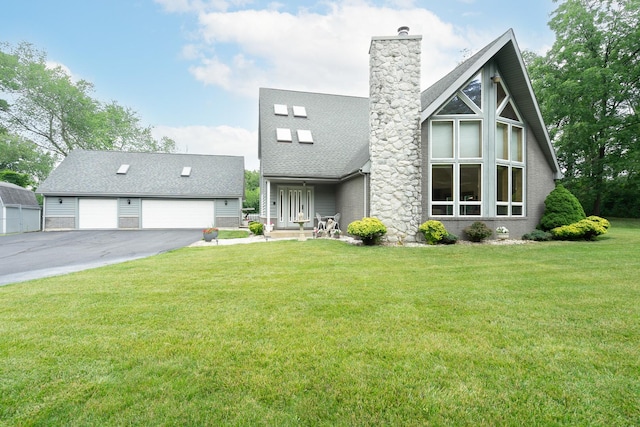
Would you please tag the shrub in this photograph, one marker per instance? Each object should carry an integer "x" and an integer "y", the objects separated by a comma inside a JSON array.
[
  {"x": 370, "y": 230},
  {"x": 478, "y": 231},
  {"x": 587, "y": 229},
  {"x": 561, "y": 208},
  {"x": 449, "y": 239},
  {"x": 538, "y": 236},
  {"x": 256, "y": 228},
  {"x": 433, "y": 231}
]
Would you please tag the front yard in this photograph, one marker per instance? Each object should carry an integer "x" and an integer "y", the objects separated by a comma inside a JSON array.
[{"x": 325, "y": 333}]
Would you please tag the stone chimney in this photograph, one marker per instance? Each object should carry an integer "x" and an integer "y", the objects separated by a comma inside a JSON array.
[{"x": 394, "y": 140}]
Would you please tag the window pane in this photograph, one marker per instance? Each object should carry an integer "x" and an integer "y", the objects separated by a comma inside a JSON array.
[
  {"x": 517, "y": 175},
  {"x": 502, "y": 149},
  {"x": 500, "y": 94},
  {"x": 470, "y": 139},
  {"x": 516, "y": 210},
  {"x": 456, "y": 106},
  {"x": 470, "y": 183},
  {"x": 503, "y": 210},
  {"x": 442, "y": 210},
  {"x": 509, "y": 112},
  {"x": 502, "y": 184},
  {"x": 442, "y": 140},
  {"x": 474, "y": 90},
  {"x": 470, "y": 210},
  {"x": 516, "y": 144},
  {"x": 442, "y": 182}
]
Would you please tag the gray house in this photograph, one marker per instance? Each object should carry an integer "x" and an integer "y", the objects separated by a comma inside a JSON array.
[
  {"x": 128, "y": 190},
  {"x": 19, "y": 209},
  {"x": 472, "y": 147}
]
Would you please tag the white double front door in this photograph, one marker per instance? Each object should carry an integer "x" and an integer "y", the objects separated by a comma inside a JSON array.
[{"x": 291, "y": 202}]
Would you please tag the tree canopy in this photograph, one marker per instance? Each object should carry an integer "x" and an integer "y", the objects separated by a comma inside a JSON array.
[
  {"x": 588, "y": 87},
  {"x": 45, "y": 109}
]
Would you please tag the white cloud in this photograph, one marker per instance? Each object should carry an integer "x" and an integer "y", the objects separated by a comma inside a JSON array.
[
  {"x": 324, "y": 52},
  {"x": 219, "y": 140}
]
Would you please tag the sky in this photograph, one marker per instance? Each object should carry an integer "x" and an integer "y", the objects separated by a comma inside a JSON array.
[{"x": 192, "y": 69}]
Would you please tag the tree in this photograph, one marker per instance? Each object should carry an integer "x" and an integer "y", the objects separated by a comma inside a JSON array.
[
  {"x": 24, "y": 157},
  {"x": 588, "y": 87},
  {"x": 252, "y": 190},
  {"x": 58, "y": 114}
]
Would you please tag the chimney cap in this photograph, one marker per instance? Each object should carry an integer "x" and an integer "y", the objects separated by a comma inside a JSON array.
[{"x": 403, "y": 31}]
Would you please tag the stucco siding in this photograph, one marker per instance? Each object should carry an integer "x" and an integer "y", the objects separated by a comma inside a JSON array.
[{"x": 350, "y": 197}]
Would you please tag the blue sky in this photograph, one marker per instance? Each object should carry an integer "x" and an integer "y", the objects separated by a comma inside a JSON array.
[{"x": 192, "y": 68}]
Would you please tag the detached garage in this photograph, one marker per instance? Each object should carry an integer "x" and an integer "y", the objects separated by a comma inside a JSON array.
[
  {"x": 124, "y": 190},
  {"x": 19, "y": 209}
]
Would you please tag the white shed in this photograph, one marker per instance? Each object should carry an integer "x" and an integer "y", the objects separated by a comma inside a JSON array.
[{"x": 19, "y": 209}]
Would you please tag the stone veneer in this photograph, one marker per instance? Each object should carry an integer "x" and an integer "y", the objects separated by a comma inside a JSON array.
[{"x": 394, "y": 141}]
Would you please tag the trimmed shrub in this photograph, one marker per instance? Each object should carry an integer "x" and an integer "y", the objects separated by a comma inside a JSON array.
[
  {"x": 561, "y": 208},
  {"x": 478, "y": 231},
  {"x": 538, "y": 236},
  {"x": 586, "y": 229},
  {"x": 256, "y": 228},
  {"x": 370, "y": 230},
  {"x": 449, "y": 239},
  {"x": 433, "y": 231}
]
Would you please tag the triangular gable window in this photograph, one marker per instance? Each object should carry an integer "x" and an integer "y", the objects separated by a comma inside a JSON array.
[
  {"x": 508, "y": 112},
  {"x": 474, "y": 91},
  {"x": 456, "y": 106},
  {"x": 504, "y": 101}
]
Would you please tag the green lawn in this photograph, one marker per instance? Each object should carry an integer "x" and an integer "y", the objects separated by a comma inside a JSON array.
[{"x": 323, "y": 333}]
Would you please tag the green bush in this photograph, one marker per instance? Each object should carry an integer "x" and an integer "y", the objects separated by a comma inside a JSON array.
[
  {"x": 586, "y": 229},
  {"x": 449, "y": 239},
  {"x": 561, "y": 208},
  {"x": 433, "y": 231},
  {"x": 478, "y": 231},
  {"x": 256, "y": 228},
  {"x": 538, "y": 236},
  {"x": 370, "y": 230}
]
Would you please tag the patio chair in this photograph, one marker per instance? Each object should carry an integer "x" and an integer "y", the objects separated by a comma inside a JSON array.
[
  {"x": 321, "y": 224},
  {"x": 336, "y": 218}
]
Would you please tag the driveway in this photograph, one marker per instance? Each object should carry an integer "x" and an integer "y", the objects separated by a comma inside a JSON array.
[{"x": 30, "y": 256}]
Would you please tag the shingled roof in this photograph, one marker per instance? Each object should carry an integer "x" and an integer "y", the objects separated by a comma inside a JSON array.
[
  {"x": 90, "y": 173},
  {"x": 11, "y": 194},
  {"x": 339, "y": 127}
]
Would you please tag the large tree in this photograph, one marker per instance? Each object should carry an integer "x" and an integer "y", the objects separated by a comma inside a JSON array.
[
  {"x": 588, "y": 87},
  {"x": 46, "y": 106},
  {"x": 24, "y": 157}
]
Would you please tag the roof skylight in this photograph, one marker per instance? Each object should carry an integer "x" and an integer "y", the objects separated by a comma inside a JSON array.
[
  {"x": 299, "y": 111},
  {"x": 123, "y": 169},
  {"x": 283, "y": 135},
  {"x": 304, "y": 136},
  {"x": 186, "y": 171},
  {"x": 280, "y": 109}
]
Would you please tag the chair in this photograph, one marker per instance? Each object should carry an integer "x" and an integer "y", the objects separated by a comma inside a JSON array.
[
  {"x": 321, "y": 224},
  {"x": 336, "y": 218}
]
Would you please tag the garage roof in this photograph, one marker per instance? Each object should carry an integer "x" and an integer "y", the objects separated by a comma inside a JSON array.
[
  {"x": 95, "y": 173},
  {"x": 11, "y": 194}
]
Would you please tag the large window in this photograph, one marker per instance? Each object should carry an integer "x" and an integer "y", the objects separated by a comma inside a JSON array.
[
  {"x": 457, "y": 153},
  {"x": 466, "y": 150}
]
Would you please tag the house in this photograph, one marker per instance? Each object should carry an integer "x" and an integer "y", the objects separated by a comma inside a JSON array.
[
  {"x": 19, "y": 209},
  {"x": 472, "y": 147},
  {"x": 131, "y": 190}
]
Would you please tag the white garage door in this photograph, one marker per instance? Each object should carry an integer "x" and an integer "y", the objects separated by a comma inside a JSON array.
[
  {"x": 177, "y": 213},
  {"x": 98, "y": 213}
]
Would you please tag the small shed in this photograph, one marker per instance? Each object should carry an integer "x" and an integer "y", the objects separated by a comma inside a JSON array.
[{"x": 19, "y": 209}]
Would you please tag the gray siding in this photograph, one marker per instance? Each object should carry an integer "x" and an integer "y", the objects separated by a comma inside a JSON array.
[
  {"x": 227, "y": 215},
  {"x": 129, "y": 212},
  {"x": 60, "y": 215},
  {"x": 19, "y": 219},
  {"x": 350, "y": 199}
]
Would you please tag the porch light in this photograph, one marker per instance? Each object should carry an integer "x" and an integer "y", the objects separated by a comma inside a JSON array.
[
  {"x": 60, "y": 201},
  {"x": 496, "y": 78}
]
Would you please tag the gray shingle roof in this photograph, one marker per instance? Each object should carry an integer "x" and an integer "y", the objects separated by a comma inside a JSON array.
[
  {"x": 11, "y": 194},
  {"x": 339, "y": 126},
  {"x": 85, "y": 172}
]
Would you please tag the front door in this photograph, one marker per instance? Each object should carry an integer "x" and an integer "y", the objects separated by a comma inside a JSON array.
[{"x": 292, "y": 201}]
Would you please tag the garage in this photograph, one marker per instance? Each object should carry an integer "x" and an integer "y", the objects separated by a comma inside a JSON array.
[
  {"x": 98, "y": 213},
  {"x": 177, "y": 213}
]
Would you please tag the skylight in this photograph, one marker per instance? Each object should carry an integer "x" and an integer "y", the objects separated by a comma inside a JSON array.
[
  {"x": 123, "y": 169},
  {"x": 283, "y": 135},
  {"x": 186, "y": 171},
  {"x": 304, "y": 136},
  {"x": 280, "y": 109},
  {"x": 299, "y": 111}
]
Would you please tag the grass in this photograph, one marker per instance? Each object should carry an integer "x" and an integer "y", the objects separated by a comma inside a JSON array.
[
  {"x": 323, "y": 333},
  {"x": 232, "y": 234}
]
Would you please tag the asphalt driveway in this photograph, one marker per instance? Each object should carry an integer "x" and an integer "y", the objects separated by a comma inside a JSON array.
[{"x": 30, "y": 256}]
